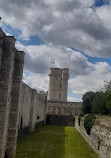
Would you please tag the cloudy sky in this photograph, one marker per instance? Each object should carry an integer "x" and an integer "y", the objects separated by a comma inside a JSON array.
[{"x": 75, "y": 33}]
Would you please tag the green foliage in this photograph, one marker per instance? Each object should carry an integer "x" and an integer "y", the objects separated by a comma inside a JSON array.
[
  {"x": 108, "y": 102},
  {"x": 88, "y": 122},
  {"x": 107, "y": 86},
  {"x": 87, "y": 101},
  {"x": 98, "y": 103},
  {"x": 79, "y": 118}
]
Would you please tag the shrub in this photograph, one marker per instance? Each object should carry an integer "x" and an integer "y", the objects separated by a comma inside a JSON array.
[
  {"x": 79, "y": 118},
  {"x": 88, "y": 122}
]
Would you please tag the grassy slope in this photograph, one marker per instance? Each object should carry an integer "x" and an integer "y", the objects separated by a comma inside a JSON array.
[
  {"x": 76, "y": 146},
  {"x": 54, "y": 142}
]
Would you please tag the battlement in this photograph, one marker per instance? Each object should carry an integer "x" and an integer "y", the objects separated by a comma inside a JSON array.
[
  {"x": 58, "y": 72},
  {"x": 55, "y": 72}
]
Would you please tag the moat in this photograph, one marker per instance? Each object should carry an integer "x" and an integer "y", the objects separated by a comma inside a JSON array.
[{"x": 54, "y": 142}]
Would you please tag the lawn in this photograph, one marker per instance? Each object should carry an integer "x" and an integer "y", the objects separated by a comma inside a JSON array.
[{"x": 54, "y": 142}]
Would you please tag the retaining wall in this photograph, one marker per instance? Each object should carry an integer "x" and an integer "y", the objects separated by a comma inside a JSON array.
[{"x": 100, "y": 136}]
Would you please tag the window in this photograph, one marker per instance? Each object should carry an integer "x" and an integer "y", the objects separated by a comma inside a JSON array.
[
  {"x": 60, "y": 96},
  {"x": 38, "y": 117},
  {"x": 60, "y": 86}
]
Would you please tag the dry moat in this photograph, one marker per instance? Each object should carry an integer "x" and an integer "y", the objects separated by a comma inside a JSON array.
[{"x": 54, "y": 142}]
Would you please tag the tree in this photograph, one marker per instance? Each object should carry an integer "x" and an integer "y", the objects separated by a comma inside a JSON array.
[
  {"x": 107, "y": 86},
  {"x": 87, "y": 101},
  {"x": 108, "y": 102},
  {"x": 98, "y": 103},
  {"x": 107, "y": 90}
]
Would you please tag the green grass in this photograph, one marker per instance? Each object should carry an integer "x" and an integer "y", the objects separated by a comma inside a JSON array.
[
  {"x": 76, "y": 146},
  {"x": 54, "y": 142}
]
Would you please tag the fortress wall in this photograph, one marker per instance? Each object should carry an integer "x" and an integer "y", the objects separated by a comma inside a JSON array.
[
  {"x": 21, "y": 107},
  {"x": 100, "y": 136},
  {"x": 32, "y": 109},
  {"x": 24, "y": 106},
  {"x": 7, "y": 54},
  {"x": 63, "y": 108},
  {"x": 1, "y": 46},
  {"x": 15, "y": 94}
]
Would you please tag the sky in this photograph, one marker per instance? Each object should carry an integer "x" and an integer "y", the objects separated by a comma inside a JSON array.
[{"x": 75, "y": 33}]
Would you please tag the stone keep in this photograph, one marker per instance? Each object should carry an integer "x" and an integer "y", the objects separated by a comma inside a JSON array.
[{"x": 58, "y": 84}]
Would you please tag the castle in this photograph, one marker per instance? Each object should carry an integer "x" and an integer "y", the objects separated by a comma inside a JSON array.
[
  {"x": 58, "y": 108},
  {"x": 23, "y": 109}
]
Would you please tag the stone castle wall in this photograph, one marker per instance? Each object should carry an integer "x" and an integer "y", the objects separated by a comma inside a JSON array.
[
  {"x": 100, "y": 136},
  {"x": 11, "y": 70},
  {"x": 31, "y": 109},
  {"x": 63, "y": 108},
  {"x": 22, "y": 108}
]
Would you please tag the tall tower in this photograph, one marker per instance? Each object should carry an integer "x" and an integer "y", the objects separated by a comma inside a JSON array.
[
  {"x": 58, "y": 83},
  {"x": 65, "y": 77}
]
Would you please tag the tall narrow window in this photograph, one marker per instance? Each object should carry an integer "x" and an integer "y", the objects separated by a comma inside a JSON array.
[{"x": 60, "y": 96}]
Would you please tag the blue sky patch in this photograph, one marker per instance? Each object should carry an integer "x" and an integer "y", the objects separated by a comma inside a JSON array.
[
  {"x": 33, "y": 40},
  {"x": 99, "y": 3},
  {"x": 94, "y": 60}
]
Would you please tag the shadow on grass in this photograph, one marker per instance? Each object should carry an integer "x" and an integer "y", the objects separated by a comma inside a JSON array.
[{"x": 47, "y": 142}]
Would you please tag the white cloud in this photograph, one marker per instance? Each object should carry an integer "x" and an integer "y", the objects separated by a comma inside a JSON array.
[
  {"x": 38, "y": 59},
  {"x": 36, "y": 81},
  {"x": 68, "y": 23},
  {"x": 91, "y": 82},
  {"x": 84, "y": 76},
  {"x": 62, "y": 24}
]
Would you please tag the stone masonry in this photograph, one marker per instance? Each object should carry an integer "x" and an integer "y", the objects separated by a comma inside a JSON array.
[
  {"x": 100, "y": 136},
  {"x": 11, "y": 67},
  {"x": 22, "y": 109},
  {"x": 58, "y": 84},
  {"x": 57, "y": 104}
]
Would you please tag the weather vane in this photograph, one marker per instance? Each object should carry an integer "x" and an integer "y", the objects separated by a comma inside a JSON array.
[{"x": 52, "y": 62}]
